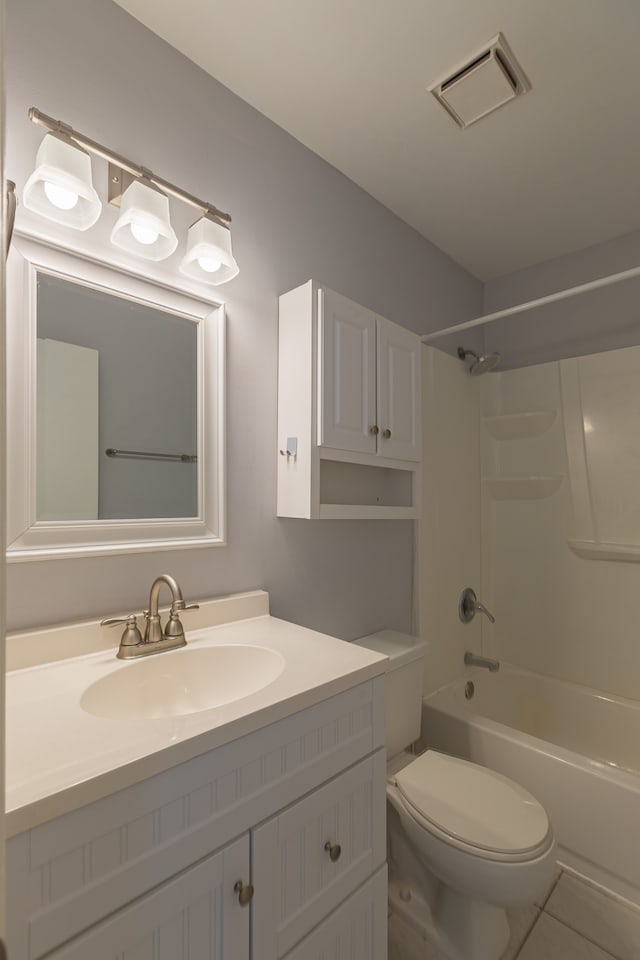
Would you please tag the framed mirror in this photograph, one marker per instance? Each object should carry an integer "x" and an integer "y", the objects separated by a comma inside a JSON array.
[{"x": 115, "y": 433}]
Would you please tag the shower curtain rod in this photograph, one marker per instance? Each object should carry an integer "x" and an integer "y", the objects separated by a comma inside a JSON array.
[{"x": 532, "y": 304}]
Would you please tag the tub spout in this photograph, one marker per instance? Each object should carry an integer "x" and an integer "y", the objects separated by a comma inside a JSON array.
[{"x": 472, "y": 660}]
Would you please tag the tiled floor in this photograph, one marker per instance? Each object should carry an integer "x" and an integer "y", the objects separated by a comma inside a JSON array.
[{"x": 577, "y": 921}]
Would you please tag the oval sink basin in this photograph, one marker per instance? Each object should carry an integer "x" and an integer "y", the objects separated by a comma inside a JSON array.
[{"x": 180, "y": 682}]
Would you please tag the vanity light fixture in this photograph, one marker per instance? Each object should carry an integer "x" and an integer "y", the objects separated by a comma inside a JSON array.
[
  {"x": 143, "y": 227},
  {"x": 60, "y": 189},
  {"x": 209, "y": 255}
]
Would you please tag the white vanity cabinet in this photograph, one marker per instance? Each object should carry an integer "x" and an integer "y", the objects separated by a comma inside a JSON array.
[
  {"x": 357, "y": 930},
  {"x": 311, "y": 856},
  {"x": 348, "y": 410},
  {"x": 151, "y": 871},
  {"x": 193, "y": 917}
]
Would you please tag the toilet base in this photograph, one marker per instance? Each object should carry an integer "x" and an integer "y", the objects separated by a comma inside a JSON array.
[
  {"x": 475, "y": 930},
  {"x": 458, "y": 927}
]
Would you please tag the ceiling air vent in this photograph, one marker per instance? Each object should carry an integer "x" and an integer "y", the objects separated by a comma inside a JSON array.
[{"x": 488, "y": 80}]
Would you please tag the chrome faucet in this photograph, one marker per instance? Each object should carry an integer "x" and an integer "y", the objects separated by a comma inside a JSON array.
[
  {"x": 153, "y": 630},
  {"x": 133, "y": 644},
  {"x": 473, "y": 660}
]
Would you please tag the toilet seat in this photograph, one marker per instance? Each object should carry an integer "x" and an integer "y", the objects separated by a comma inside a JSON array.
[{"x": 473, "y": 808}]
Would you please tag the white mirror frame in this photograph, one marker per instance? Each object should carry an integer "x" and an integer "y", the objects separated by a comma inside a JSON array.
[{"x": 30, "y": 539}]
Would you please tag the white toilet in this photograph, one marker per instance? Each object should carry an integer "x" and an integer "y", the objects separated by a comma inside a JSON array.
[{"x": 464, "y": 842}]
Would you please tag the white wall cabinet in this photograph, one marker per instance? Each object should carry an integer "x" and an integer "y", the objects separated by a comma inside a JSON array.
[
  {"x": 150, "y": 872},
  {"x": 399, "y": 400},
  {"x": 348, "y": 410},
  {"x": 369, "y": 381}
]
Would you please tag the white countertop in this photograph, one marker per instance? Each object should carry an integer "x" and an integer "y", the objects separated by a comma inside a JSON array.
[{"x": 59, "y": 757}]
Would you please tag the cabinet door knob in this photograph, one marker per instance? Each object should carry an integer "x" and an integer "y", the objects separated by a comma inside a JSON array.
[
  {"x": 386, "y": 434},
  {"x": 375, "y": 429},
  {"x": 245, "y": 893},
  {"x": 334, "y": 850}
]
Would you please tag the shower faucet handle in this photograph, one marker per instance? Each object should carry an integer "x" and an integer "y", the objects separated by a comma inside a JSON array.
[
  {"x": 469, "y": 605},
  {"x": 480, "y": 607}
]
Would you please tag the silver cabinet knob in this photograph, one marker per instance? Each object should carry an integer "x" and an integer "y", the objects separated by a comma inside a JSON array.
[
  {"x": 334, "y": 850},
  {"x": 375, "y": 430},
  {"x": 245, "y": 892},
  {"x": 386, "y": 434}
]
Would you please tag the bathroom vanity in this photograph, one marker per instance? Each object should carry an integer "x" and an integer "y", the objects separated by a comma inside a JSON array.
[{"x": 254, "y": 829}]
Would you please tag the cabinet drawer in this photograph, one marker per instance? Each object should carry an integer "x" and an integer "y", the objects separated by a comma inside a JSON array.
[
  {"x": 355, "y": 931},
  {"x": 299, "y": 873},
  {"x": 197, "y": 916}
]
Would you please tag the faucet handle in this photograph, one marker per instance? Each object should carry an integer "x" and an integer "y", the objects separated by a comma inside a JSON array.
[
  {"x": 480, "y": 607},
  {"x": 131, "y": 636},
  {"x": 469, "y": 605},
  {"x": 179, "y": 605},
  {"x": 174, "y": 626},
  {"x": 111, "y": 621}
]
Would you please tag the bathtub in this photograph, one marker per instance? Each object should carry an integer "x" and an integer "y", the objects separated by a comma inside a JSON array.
[{"x": 577, "y": 750}]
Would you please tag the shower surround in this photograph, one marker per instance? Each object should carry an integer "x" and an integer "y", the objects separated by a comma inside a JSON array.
[
  {"x": 530, "y": 494},
  {"x": 560, "y": 463}
]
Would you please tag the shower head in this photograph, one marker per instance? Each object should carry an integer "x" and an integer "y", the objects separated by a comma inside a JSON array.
[{"x": 479, "y": 364}]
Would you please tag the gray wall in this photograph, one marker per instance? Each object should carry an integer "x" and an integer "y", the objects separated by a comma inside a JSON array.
[
  {"x": 589, "y": 323},
  {"x": 294, "y": 217}
]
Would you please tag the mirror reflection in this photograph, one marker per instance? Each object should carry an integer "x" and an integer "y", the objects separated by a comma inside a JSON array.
[{"x": 117, "y": 427}]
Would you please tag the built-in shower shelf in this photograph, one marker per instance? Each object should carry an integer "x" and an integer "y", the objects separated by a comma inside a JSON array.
[
  {"x": 606, "y": 551},
  {"x": 520, "y": 426},
  {"x": 522, "y": 488}
]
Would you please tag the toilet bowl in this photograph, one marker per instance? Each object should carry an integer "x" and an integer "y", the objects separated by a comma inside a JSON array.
[
  {"x": 483, "y": 843},
  {"x": 464, "y": 842}
]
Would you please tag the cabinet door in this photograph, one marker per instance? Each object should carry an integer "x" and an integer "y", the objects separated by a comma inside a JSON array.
[
  {"x": 197, "y": 916},
  {"x": 357, "y": 930},
  {"x": 347, "y": 374},
  {"x": 398, "y": 392},
  {"x": 312, "y": 856}
]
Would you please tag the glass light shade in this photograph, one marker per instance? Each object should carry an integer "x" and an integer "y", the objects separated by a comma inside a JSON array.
[
  {"x": 60, "y": 188},
  {"x": 143, "y": 227},
  {"x": 209, "y": 257}
]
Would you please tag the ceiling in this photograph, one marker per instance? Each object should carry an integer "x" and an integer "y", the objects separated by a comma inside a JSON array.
[{"x": 551, "y": 172}]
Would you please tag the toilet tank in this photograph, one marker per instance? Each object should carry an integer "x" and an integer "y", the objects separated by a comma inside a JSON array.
[{"x": 402, "y": 685}]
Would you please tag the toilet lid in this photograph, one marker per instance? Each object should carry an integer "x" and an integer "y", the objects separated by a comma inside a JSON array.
[{"x": 473, "y": 804}]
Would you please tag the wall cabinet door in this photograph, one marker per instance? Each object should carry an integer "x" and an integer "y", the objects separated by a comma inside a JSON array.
[
  {"x": 347, "y": 374},
  {"x": 197, "y": 916},
  {"x": 312, "y": 856},
  {"x": 398, "y": 392},
  {"x": 369, "y": 381}
]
